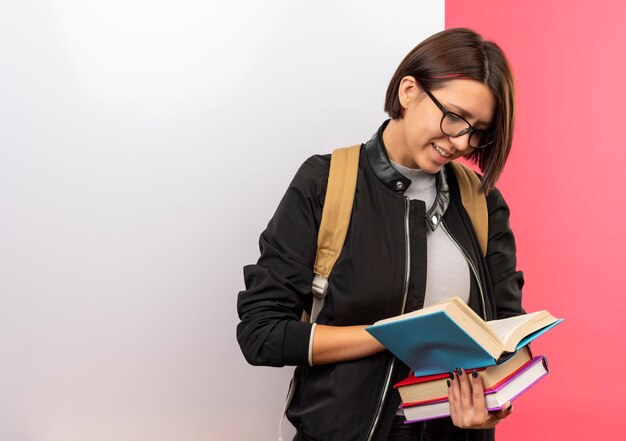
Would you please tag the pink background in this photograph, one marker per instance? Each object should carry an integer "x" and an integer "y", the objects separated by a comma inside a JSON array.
[{"x": 564, "y": 186}]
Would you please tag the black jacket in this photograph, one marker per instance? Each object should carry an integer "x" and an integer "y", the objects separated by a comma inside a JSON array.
[{"x": 382, "y": 266}]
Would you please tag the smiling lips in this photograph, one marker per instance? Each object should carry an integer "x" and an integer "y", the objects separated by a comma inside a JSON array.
[{"x": 441, "y": 151}]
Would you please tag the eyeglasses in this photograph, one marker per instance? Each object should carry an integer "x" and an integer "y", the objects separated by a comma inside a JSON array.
[{"x": 455, "y": 125}]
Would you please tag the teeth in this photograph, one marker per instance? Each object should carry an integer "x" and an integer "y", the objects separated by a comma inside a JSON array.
[{"x": 441, "y": 152}]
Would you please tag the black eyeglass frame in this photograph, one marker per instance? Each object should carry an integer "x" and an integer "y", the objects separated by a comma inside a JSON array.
[{"x": 470, "y": 128}]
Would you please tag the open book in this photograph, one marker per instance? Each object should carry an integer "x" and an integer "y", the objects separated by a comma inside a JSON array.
[{"x": 450, "y": 335}]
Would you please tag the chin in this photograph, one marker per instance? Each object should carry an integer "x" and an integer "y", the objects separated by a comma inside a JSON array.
[{"x": 432, "y": 169}]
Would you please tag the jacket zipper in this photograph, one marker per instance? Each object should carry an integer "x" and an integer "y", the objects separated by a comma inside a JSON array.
[
  {"x": 471, "y": 265},
  {"x": 392, "y": 364}
]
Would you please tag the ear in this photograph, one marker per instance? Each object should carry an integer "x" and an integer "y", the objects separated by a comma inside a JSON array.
[{"x": 408, "y": 91}]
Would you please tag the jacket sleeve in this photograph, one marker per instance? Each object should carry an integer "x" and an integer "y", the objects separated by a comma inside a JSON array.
[
  {"x": 279, "y": 285},
  {"x": 502, "y": 260}
]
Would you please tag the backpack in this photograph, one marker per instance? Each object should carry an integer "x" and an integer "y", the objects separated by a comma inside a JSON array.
[{"x": 337, "y": 210}]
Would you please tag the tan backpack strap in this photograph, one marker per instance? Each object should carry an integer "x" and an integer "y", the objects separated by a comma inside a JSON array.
[
  {"x": 474, "y": 202},
  {"x": 344, "y": 167}
]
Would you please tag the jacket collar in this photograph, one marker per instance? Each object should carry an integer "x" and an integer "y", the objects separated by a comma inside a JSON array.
[{"x": 395, "y": 181}]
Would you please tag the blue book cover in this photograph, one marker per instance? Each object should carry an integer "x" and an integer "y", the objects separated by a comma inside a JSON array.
[{"x": 432, "y": 343}]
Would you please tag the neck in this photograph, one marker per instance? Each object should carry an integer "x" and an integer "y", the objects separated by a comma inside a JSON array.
[{"x": 397, "y": 150}]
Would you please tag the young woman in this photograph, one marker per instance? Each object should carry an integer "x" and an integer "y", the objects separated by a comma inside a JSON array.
[{"x": 410, "y": 244}]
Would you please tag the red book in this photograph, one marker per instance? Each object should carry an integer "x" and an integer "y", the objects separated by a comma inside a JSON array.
[{"x": 434, "y": 387}]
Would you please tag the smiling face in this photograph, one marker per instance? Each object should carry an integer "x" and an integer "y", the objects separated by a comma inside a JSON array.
[{"x": 416, "y": 140}]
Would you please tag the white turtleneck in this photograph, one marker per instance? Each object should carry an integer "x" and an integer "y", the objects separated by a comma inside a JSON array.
[{"x": 447, "y": 271}]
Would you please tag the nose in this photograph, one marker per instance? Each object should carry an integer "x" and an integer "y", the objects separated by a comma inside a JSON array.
[{"x": 460, "y": 143}]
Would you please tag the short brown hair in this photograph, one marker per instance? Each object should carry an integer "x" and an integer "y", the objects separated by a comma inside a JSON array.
[{"x": 462, "y": 53}]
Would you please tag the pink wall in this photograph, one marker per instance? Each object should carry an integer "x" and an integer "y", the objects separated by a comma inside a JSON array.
[{"x": 564, "y": 186}]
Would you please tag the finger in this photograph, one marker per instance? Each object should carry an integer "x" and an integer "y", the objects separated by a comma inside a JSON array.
[
  {"x": 478, "y": 393},
  {"x": 466, "y": 390},
  {"x": 496, "y": 417},
  {"x": 505, "y": 411},
  {"x": 454, "y": 395}
]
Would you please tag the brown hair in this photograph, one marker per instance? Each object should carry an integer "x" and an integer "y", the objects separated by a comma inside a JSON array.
[{"x": 462, "y": 53}]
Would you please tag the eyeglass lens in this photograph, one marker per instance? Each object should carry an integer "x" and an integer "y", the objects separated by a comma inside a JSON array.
[{"x": 453, "y": 125}]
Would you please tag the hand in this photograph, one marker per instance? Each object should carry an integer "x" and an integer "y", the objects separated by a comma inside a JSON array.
[{"x": 467, "y": 402}]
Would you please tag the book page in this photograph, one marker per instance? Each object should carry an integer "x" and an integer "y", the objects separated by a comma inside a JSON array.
[{"x": 505, "y": 327}]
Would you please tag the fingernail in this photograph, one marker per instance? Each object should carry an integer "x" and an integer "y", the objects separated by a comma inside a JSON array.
[
  {"x": 451, "y": 375},
  {"x": 448, "y": 381},
  {"x": 474, "y": 373},
  {"x": 459, "y": 372},
  {"x": 510, "y": 408}
]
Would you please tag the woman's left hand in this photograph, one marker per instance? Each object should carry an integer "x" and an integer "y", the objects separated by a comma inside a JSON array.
[{"x": 467, "y": 402}]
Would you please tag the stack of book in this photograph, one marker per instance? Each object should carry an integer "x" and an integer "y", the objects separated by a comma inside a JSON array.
[
  {"x": 426, "y": 397},
  {"x": 439, "y": 339}
]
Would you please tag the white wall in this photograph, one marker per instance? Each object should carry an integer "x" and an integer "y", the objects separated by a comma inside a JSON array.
[{"x": 144, "y": 146}]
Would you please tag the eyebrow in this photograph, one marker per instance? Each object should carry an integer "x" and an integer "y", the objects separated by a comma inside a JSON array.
[{"x": 465, "y": 114}]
